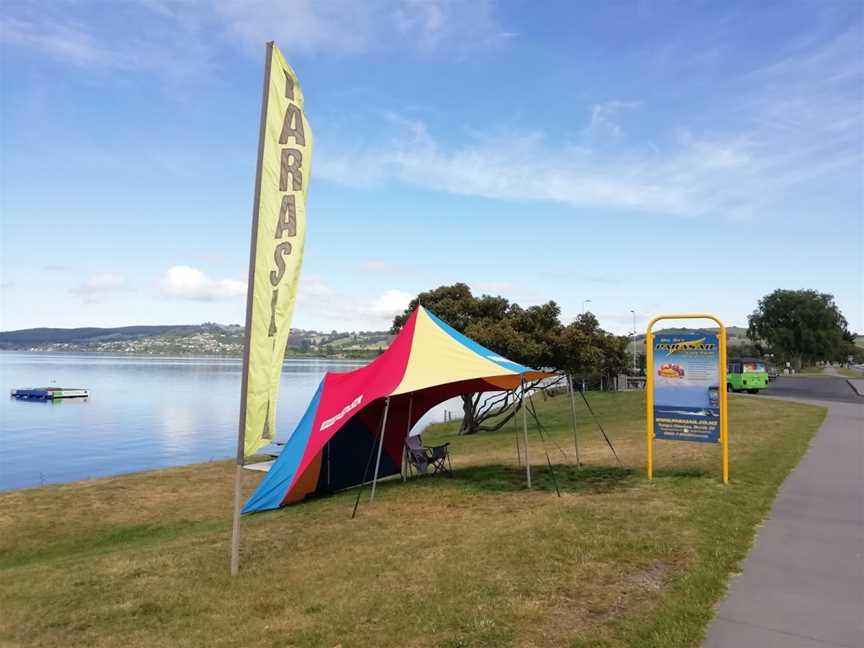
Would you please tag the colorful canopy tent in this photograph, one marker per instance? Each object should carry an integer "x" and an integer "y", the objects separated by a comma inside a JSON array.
[{"x": 428, "y": 363}]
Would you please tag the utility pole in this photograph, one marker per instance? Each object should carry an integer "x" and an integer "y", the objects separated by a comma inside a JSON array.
[{"x": 633, "y": 312}]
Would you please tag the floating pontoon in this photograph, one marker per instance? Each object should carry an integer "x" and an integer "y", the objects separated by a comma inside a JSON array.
[{"x": 48, "y": 393}]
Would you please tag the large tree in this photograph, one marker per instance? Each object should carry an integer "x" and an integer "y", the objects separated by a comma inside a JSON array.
[
  {"x": 523, "y": 335},
  {"x": 801, "y": 326},
  {"x": 457, "y": 306},
  {"x": 584, "y": 347},
  {"x": 531, "y": 336}
]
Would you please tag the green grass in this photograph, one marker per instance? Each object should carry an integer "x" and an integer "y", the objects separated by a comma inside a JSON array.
[
  {"x": 812, "y": 372},
  {"x": 849, "y": 373},
  {"x": 476, "y": 560}
]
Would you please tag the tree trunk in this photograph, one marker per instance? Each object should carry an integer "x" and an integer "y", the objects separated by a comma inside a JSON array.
[{"x": 468, "y": 426}]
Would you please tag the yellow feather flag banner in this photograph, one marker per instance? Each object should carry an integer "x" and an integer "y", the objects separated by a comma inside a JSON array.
[{"x": 278, "y": 233}]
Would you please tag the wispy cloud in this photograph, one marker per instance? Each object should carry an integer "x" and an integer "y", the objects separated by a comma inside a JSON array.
[
  {"x": 70, "y": 42},
  {"x": 794, "y": 124},
  {"x": 349, "y": 26},
  {"x": 95, "y": 287},
  {"x": 485, "y": 167},
  {"x": 182, "y": 41},
  {"x": 185, "y": 282},
  {"x": 603, "y": 116},
  {"x": 145, "y": 36}
]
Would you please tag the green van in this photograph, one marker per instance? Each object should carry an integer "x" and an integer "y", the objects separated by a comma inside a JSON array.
[{"x": 746, "y": 374}]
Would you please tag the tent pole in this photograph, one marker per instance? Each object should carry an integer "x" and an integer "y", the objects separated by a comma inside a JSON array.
[
  {"x": 543, "y": 443},
  {"x": 404, "y": 470},
  {"x": 518, "y": 449},
  {"x": 573, "y": 413},
  {"x": 525, "y": 432},
  {"x": 380, "y": 447}
]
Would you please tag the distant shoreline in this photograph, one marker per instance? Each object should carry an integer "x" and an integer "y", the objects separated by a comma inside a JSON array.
[
  {"x": 207, "y": 340},
  {"x": 231, "y": 356}
]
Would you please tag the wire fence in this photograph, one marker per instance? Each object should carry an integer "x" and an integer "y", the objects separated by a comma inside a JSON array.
[
  {"x": 557, "y": 384},
  {"x": 595, "y": 382}
]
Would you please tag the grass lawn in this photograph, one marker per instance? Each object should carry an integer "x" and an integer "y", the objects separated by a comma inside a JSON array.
[
  {"x": 477, "y": 560},
  {"x": 813, "y": 372},
  {"x": 849, "y": 373},
  {"x": 810, "y": 372}
]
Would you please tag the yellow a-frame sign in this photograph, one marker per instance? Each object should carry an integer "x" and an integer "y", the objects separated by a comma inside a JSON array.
[{"x": 679, "y": 417}]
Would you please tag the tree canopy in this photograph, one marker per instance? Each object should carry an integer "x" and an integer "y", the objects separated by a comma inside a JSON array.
[
  {"x": 802, "y": 326},
  {"x": 533, "y": 336},
  {"x": 584, "y": 347}
]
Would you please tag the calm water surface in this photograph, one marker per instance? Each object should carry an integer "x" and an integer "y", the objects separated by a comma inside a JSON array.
[{"x": 143, "y": 413}]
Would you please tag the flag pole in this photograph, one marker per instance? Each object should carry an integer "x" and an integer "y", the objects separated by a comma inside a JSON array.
[
  {"x": 380, "y": 446},
  {"x": 573, "y": 413},
  {"x": 525, "y": 431},
  {"x": 253, "y": 246}
]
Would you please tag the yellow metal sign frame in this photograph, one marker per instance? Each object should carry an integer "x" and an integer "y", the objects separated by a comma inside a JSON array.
[{"x": 649, "y": 388}]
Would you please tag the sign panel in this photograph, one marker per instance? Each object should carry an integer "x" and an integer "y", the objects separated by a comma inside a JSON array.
[{"x": 686, "y": 387}]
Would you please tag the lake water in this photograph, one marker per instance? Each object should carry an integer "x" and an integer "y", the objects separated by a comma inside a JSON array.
[{"x": 143, "y": 413}]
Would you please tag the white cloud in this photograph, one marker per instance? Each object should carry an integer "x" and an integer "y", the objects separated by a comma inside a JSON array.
[
  {"x": 103, "y": 282},
  {"x": 184, "y": 282},
  {"x": 321, "y": 306},
  {"x": 389, "y": 304}
]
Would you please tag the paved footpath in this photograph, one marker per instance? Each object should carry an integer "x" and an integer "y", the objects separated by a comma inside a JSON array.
[{"x": 802, "y": 584}]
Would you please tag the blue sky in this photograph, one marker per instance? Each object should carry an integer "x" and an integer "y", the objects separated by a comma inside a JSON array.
[{"x": 654, "y": 156}]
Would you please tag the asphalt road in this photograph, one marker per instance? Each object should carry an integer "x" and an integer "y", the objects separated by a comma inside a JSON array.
[{"x": 826, "y": 388}]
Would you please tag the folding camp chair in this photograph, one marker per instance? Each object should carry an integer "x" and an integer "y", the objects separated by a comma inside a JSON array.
[{"x": 423, "y": 460}]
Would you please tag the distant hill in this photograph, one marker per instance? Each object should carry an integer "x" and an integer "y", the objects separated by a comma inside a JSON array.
[
  {"x": 734, "y": 334},
  {"x": 736, "y": 338},
  {"x": 36, "y": 336},
  {"x": 220, "y": 339},
  {"x": 200, "y": 339}
]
